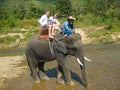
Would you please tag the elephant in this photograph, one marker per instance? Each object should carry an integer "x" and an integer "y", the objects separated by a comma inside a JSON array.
[{"x": 38, "y": 52}]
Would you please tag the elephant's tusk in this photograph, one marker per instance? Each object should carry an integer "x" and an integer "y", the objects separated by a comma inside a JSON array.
[
  {"x": 79, "y": 61},
  {"x": 87, "y": 59}
]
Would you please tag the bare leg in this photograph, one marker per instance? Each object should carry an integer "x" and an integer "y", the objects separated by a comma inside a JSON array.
[
  {"x": 53, "y": 30},
  {"x": 50, "y": 31}
]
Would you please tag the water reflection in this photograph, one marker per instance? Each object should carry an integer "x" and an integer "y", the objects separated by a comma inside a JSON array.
[
  {"x": 63, "y": 87},
  {"x": 100, "y": 72},
  {"x": 40, "y": 86},
  {"x": 43, "y": 86}
]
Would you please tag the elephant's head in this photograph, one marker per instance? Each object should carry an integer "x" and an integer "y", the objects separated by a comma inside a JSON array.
[{"x": 72, "y": 45}]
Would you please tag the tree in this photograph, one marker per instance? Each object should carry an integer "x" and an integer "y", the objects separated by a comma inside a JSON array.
[
  {"x": 64, "y": 7},
  {"x": 18, "y": 11},
  {"x": 32, "y": 11}
]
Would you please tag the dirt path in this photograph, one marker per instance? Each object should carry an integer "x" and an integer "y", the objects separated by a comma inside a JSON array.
[{"x": 85, "y": 39}]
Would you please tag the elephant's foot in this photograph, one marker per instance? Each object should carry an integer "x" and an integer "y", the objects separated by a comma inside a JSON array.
[
  {"x": 59, "y": 78},
  {"x": 60, "y": 81},
  {"x": 44, "y": 78},
  {"x": 84, "y": 83},
  {"x": 37, "y": 81},
  {"x": 71, "y": 83}
]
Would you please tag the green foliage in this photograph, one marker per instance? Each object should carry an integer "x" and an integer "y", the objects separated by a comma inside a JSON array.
[
  {"x": 100, "y": 36},
  {"x": 22, "y": 9},
  {"x": 32, "y": 11},
  {"x": 8, "y": 39},
  {"x": 11, "y": 22},
  {"x": 2, "y": 24},
  {"x": 19, "y": 11},
  {"x": 106, "y": 39},
  {"x": 104, "y": 35},
  {"x": 88, "y": 11},
  {"x": 64, "y": 7}
]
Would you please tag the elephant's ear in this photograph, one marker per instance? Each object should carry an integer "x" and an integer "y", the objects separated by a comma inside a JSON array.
[{"x": 61, "y": 47}]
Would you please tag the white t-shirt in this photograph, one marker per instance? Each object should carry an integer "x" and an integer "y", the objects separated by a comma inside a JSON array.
[
  {"x": 54, "y": 20},
  {"x": 43, "y": 20}
]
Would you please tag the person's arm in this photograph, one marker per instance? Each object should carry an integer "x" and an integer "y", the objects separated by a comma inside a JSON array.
[
  {"x": 73, "y": 29},
  {"x": 57, "y": 22},
  {"x": 42, "y": 20},
  {"x": 66, "y": 26}
]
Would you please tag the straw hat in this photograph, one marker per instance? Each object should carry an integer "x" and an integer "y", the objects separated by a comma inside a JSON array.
[{"x": 71, "y": 17}]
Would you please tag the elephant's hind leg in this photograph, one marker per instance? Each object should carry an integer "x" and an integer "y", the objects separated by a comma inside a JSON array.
[
  {"x": 32, "y": 64},
  {"x": 43, "y": 76}
]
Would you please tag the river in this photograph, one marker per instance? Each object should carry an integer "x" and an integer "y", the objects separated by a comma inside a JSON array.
[{"x": 103, "y": 72}]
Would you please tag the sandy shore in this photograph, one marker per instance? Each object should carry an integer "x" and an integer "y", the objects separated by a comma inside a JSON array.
[{"x": 11, "y": 67}]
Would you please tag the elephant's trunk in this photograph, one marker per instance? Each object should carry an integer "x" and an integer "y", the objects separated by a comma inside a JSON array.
[{"x": 81, "y": 61}]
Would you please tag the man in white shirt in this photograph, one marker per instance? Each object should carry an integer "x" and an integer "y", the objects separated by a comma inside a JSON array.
[
  {"x": 44, "y": 25},
  {"x": 44, "y": 20}
]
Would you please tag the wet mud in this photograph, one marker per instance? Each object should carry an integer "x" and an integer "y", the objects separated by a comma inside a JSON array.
[{"x": 103, "y": 72}]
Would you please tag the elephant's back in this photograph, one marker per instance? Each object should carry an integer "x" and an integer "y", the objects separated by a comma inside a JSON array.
[
  {"x": 40, "y": 47},
  {"x": 36, "y": 41},
  {"x": 35, "y": 38}
]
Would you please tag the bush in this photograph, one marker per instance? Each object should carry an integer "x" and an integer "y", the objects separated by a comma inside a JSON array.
[
  {"x": 11, "y": 22},
  {"x": 105, "y": 39},
  {"x": 7, "y": 39},
  {"x": 3, "y": 24}
]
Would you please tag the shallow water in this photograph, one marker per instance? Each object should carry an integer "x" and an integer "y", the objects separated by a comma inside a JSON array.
[
  {"x": 12, "y": 51},
  {"x": 103, "y": 72}
]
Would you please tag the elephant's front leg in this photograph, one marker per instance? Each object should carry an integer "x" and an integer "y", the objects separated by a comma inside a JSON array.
[
  {"x": 63, "y": 63},
  {"x": 59, "y": 75}
]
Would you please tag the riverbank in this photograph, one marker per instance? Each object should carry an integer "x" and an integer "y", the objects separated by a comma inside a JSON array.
[
  {"x": 90, "y": 35},
  {"x": 11, "y": 67}
]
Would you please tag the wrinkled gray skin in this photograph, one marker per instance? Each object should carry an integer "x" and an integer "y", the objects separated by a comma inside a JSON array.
[{"x": 38, "y": 52}]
